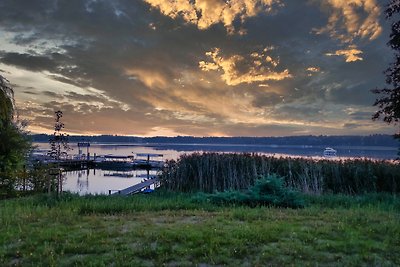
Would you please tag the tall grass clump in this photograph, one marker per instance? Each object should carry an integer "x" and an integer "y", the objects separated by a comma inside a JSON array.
[{"x": 210, "y": 172}]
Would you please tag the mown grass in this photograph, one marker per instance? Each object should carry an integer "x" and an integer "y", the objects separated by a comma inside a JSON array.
[{"x": 172, "y": 230}]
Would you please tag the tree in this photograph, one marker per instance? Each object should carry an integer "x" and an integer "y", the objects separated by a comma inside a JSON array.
[
  {"x": 14, "y": 143},
  {"x": 6, "y": 102},
  {"x": 388, "y": 101},
  {"x": 58, "y": 149},
  {"x": 59, "y": 140}
]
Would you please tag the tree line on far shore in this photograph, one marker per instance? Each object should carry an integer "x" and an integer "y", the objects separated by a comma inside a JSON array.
[{"x": 306, "y": 140}]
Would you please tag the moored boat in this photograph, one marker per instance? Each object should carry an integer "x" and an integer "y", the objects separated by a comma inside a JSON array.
[{"x": 329, "y": 152}]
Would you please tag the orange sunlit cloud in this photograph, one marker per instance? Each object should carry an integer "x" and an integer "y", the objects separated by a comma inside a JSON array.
[
  {"x": 213, "y": 11},
  {"x": 204, "y": 67},
  {"x": 256, "y": 71},
  {"x": 350, "y": 54}
]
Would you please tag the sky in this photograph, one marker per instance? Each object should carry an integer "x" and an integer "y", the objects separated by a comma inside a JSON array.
[{"x": 197, "y": 67}]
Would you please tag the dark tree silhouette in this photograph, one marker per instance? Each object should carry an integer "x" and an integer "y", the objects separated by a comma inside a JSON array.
[
  {"x": 58, "y": 149},
  {"x": 14, "y": 142},
  {"x": 388, "y": 101},
  {"x": 389, "y": 97},
  {"x": 58, "y": 141}
]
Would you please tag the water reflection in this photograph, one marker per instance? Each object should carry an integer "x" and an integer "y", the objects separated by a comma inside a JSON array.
[
  {"x": 101, "y": 181},
  {"x": 96, "y": 181}
]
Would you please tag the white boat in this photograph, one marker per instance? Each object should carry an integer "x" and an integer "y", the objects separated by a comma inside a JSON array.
[{"x": 329, "y": 152}]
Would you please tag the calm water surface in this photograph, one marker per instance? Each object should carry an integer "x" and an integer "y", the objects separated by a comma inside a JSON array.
[{"x": 95, "y": 181}]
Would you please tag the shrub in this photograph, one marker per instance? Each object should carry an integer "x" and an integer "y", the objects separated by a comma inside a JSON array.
[{"x": 267, "y": 191}]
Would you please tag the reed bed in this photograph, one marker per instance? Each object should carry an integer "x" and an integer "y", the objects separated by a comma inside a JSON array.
[{"x": 211, "y": 172}]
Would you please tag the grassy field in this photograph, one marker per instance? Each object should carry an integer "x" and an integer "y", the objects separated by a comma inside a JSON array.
[{"x": 165, "y": 229}]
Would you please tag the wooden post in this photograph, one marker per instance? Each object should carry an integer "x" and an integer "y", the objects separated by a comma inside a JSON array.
[
  {"x": 60, "y": 181},
  {"x": 49, "y": 183},
  {"x": 24, "y": 179}
]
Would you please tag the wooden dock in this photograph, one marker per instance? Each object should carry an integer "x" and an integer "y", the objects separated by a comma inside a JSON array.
[
  {"x": 137, "y": 188},
  {"x": 76, "y": 164}
]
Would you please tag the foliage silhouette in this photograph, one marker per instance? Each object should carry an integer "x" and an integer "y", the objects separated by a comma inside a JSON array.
[
  {"x": 14, "y": 144},
  {"x": 388, "y": 101}
]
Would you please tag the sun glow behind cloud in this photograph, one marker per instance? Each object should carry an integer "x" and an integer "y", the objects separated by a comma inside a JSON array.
[{"x": 238, "y": 67}]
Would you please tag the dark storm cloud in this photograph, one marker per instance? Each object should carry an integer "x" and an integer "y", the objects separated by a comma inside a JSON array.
[
  {"x": 140, "y": 67},
  {"x": 30, "y": 93},
  {"x": 27, "y": 61}
]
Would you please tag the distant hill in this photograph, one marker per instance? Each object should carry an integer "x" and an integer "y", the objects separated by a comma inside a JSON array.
[{"x": 306, "y": 140}]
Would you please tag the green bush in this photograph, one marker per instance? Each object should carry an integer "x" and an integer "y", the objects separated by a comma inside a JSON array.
[{"x": 267, "y": 191}]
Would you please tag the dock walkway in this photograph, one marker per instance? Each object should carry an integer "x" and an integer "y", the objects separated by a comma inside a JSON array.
[{"x": 135, "y": 188}]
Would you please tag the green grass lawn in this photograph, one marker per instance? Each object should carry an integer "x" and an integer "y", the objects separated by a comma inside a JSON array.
[{"x": 170, "y": 230}]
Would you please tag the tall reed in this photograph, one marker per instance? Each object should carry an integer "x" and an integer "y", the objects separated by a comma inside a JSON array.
[{"x": 209, "y": 172}]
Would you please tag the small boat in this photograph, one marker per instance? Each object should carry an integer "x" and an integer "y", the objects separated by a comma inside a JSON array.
[{"x": 329, "y": 152}]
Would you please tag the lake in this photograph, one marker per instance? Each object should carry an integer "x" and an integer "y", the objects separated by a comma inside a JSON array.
[{"x": 95, "y": 181}]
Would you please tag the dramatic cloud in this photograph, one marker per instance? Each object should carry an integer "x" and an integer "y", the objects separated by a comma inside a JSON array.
[
  {"x": 236, "y": 69},
  {"x": 205, "y": 13},
  {"x": 350, "y": 19},
  {"x": 350, "y": 54},
  {"x": 196, "y": 67}
]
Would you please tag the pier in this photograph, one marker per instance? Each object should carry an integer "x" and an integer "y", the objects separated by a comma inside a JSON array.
[
  {"x": 112, "y": 162},
  {"x": 137, "y": 188},
  {"x": 109, "y": 162},
  {"x": 76, "y": 164}
]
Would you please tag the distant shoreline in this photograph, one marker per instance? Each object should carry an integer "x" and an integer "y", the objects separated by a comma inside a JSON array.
[
  {"x": 300, "y": 141},
  {"x": 343, "y": 151}
]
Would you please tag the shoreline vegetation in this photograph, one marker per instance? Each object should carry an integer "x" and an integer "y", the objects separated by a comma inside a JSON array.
[
  {"x": 211, "y": 172},
  {"x": 218, "y": 209}
]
